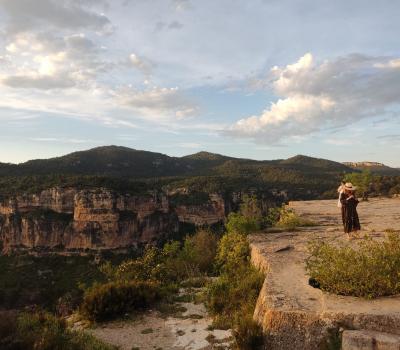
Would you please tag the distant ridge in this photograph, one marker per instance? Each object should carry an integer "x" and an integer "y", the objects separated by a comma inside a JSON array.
[
  {"x": 307, "y": 161},
  {"x": 130, "y": 170},
  {"x": 123, "y": 161},
  {"x": 374, "y": 167}
]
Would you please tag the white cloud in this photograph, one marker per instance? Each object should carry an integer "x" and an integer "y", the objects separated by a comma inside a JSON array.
[
  {"x": 37, "y": 81},
  {"x": 45, "y": 61},
  {"x": 330, "y": 94},
  {"x": 27, "y": 14},
  {"x": 390, "y": 64},
  {"x": 157, "y": 103},
  {"x": 141, "y": 63}
]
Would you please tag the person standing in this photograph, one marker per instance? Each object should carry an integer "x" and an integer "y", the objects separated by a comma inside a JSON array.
[{"x": 349, "y": 202}]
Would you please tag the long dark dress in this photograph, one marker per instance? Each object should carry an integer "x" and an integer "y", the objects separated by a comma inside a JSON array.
[{"x": 349, "y": 213}]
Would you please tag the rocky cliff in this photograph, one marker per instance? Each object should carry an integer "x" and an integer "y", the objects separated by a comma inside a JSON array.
[{"x": 66, "y": 219}]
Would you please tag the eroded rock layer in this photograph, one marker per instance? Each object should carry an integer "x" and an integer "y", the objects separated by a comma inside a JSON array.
[{"x": 63, "y": 219}]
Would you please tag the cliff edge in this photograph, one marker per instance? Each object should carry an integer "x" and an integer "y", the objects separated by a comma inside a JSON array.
[{"x": 295, "y": 315}]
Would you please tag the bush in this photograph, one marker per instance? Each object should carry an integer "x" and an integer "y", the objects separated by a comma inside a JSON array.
[
  {"x": 249, "y": 218},
  {"x": 248, "y": 334},
  {"x": 171, "y": 264},
  {"x": 199, "y": 252},
  {"x": 8, "y": 327},
  {"x": 232, "y": 297},
  {"x": 231, "y": 293},
  {"x": 42, "y": 331},
  {"x": 233, "y": 252},
  {"x": 369, "y": 270},
  {"x": 288, "y": 219},
  {"x": 240, "y": 224},
  {"x": 110, "y": 300}
]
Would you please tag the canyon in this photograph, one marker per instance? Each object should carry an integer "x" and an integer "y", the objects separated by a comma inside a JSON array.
[{"x": 62, "y": 219}]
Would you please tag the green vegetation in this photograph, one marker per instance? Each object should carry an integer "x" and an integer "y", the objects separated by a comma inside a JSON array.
[
  {"x": 362, "y": 180},
  {"x": 288, "y": 219},
  {"x": 193, "y": 198},
  {"x": 232, "y": 297},
  {"x": 369, "y": 270},
  {"x": 107, "y": 301},
  {"x": 131, "y": 171},
  {"x": 248, "y": 219},
  {"x": 42, "y": 331},
  {"x": 374, "y": 185},
  {"x": 126, "y": 170},
  {"x": 153, "y": 277},
  {"x": 26, "y": 280}
]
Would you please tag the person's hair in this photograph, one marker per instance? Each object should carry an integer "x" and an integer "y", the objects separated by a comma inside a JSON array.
[{"x": 343, "y": 182}]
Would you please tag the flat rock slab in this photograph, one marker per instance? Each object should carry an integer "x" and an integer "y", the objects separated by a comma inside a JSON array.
[
  {"x": 369, "y": 340},
  {"x": 296, "y": 315}
]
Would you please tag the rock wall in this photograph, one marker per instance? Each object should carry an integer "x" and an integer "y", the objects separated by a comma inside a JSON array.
[{"x": 65, "y": 219}]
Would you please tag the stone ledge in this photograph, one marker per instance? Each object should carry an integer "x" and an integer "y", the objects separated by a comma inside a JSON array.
[
  {"x": 295, "y": 315},
  {"x": 369, "y": 340}
]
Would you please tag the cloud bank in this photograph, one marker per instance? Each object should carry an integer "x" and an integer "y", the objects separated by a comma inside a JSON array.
[{"x": 313, "y": 96}]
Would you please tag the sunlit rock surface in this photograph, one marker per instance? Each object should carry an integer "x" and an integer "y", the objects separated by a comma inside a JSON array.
[{"x": 295, "y": 315}]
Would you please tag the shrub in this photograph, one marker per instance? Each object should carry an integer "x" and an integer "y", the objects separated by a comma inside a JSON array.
[
  {"x": 233, "y": 252},
  {"x": 290, "y": 220},
  {"x": 248, "y": 334},
  {"x": 148, "y": 267},
  {"x": 8, "y": 327},
  {"x": 240, "y": 224},
  {"x": 369, "y": 270},
  {"x": 171, "y": 264},
  {"x": 230, "y": 294},
  {"x": 107, "y": 301},
  {"x": 249, "y": 218},
  {"x": 232, "y": 297},
  {"x": 199, "y": 251},
  {"x": 42, "y": 331}
]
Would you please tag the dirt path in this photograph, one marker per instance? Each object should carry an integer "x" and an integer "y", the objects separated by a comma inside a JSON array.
[{"x": 189, "y": 329}]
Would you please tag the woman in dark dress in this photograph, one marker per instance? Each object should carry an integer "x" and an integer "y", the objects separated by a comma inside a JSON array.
[{"x": 349, "y": 202}]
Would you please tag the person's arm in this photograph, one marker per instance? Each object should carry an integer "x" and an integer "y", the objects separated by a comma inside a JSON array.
[{"x": 343, "y": 199}]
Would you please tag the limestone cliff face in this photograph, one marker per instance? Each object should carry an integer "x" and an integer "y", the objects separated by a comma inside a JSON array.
[
  {"x": 65, "y": 219},
  {"x": 205, "y": 214}
]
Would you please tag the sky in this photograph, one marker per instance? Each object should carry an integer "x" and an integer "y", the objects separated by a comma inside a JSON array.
[{"x": 260, "y": 79}]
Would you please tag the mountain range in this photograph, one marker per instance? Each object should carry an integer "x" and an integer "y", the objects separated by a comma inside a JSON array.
[
  {"x": 128, "y": 170},
  {"x": 123, "y": 161}
]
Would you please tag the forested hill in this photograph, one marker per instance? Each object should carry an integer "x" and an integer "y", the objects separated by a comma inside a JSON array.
[{"x": 127, "y": 162}]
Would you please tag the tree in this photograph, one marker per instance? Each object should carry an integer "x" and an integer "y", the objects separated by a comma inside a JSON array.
[
  {"x": 248, "y": 219},
  {"x": 362, "y": 181}
]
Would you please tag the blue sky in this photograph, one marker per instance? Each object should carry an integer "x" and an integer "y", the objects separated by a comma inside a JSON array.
[{"x": 261, "y": 79}]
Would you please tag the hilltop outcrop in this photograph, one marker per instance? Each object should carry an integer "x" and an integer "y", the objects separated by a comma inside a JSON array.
[
  {"x": 65, "y": 219},
  {"x": 293, "y": 314}
]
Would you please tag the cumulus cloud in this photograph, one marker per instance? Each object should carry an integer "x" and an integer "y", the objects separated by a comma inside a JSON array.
[
  {"x": 332, "y": 93},
  {"x": 45, "y": 61}
]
